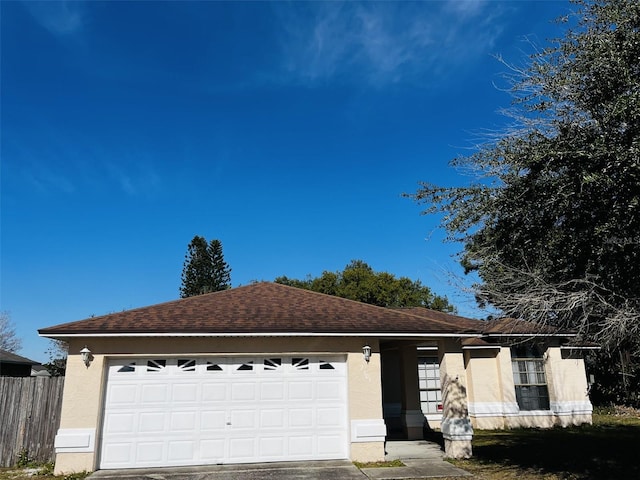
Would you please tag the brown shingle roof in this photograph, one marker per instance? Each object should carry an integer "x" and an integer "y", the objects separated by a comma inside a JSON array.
[
  {"x": 264, "y": 307},
  {"x": 512, "y": 326},
  {"x": 461, "y": 323}
]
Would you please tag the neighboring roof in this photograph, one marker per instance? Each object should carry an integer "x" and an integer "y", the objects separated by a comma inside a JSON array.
[
  {"x": 261, "y": 308},
  {"x": 8, "y": 357},
  {"x": 39, "y": 371}
]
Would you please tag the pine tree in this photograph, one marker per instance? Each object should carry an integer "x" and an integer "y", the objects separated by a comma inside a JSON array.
[{"x": 204, "y": 268}]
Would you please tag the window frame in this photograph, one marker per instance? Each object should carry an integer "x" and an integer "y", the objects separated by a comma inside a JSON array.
[
  {"x": 530, "y": 380},
  {"x": 423, "y": 362}
]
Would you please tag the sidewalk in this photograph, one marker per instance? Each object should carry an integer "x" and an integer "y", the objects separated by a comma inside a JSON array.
[{"x": 422, "y": 459}]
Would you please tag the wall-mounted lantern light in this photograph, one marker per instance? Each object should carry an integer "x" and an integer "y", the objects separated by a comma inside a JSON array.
[
  {"x": 366, "y": 351},
  {"x": 86, "y": 356}
]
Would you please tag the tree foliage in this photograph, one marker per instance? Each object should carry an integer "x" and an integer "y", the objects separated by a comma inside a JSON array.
[
  {"x": 57, "y": 352},
  {"x": 204, "y": 268},
  {"x": 9, "y": 340},
  {"x": 358, "y": 281},
  {"x": 551, "y": 222}
]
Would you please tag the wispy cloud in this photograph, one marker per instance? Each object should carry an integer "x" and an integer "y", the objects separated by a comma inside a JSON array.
[
  {"x": 135, "y": 178},
  {"x": 61, "y": 18},
  {"x": 60, "y": 162},
  {"x": 381, "y": 43},
  {"x": 45, "y": 180}
]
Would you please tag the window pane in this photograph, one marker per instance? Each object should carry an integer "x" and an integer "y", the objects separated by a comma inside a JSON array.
[
  {"x": 530, "y": 384},
  {"x": 213, "y": 367},
  {"x": 130, "y": 367},
  {"x": 156, "y": 365},
  {"x": 187, "y": 365},
  {"x": 324, "y": 365}
]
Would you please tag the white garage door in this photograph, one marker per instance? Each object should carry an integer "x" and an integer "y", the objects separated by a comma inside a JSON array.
[{"x": 193, "y": 411}]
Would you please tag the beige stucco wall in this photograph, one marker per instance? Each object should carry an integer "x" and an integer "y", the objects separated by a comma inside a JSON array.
[
  {"x": 566, "y": 376},
  {"x": 85, "y": 386},
  {"x": 367, "y": 452},
  {"x": 568, "y": 388},
  {"x": 365, "y": 387},
  {"x": 484, "y": 387},
  {"x": 484, "y": 381},
  {"x": 492, "y": 401}
]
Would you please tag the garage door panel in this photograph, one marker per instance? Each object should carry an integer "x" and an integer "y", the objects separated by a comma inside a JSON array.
[
  {"x": 184, "y": 393},
  {"x": 272, "y": 391},
  {"x": 214, "y": 392},
  {"x": 153, "y": 393},
  {"x": 152, "y": 422},
  {"x": 301, "y": 390},
  {"x": 183, "y": 421},
  {"x": 329, "y": 390},
  {"x": 213, "y": 420},
  {"x": 272, "y": 447},
  {"x": 243, "y": 391},
  {"x": 301, "y": 445},
  {"x": 119, "y": 454},
  {"x": 120, "y": 423},
  {"x": 272, "y": 418},
  {"x": 330, "y": 417},
  {"x": 190, "y": 411},
  {"x": 301, "y": 417},
  {"x": 181, "y": 451},
  {"x": 242, "y": 448},
  {"x": 212, "y": 450},
  {"x": 122, "y": 395},
  {"x": 150, "y": 452},
  {"x": 329, "y": 445},
  {"x": 243, "y": 419}
]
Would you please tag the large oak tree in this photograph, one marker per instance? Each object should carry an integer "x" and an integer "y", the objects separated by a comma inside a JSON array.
[
  {"x": 358, "y": 281},
  {"x": 552, "y": 222}
]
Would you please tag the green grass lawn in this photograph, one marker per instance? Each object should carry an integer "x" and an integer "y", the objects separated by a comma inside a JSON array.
[
  {"x": 35, "y": 472},
  {"x": 608, "y": 449}
]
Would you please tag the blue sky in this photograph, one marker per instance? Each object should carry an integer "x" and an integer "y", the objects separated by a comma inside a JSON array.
[{"x": 287, "y": 130}]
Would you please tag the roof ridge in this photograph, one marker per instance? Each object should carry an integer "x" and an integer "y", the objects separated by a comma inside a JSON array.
[{"x": 262, "y": 307}]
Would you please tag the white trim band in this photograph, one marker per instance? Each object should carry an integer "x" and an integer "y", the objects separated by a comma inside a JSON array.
[
  {"x": 578, "y": 407},
  {"x": 373, "y": 430},
  {"x": 509, "y": 409},
  {"x": 73, "y": 440}
]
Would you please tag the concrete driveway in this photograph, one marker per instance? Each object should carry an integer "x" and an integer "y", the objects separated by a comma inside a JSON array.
[
  {"x": 422, "y": 459},
  {"x": 318, "y": 470}
]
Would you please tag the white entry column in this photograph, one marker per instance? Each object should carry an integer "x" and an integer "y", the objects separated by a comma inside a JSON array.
[{"x": 456, "y": 425}]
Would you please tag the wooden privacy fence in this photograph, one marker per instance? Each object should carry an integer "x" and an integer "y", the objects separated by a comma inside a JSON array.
[{"x": 29, "y": 418}]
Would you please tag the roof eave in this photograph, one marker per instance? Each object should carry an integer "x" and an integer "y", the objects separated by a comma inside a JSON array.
[
  {"x": 529, "y": 334},
  {"x": 257, "y": 334},
  {"x": 579, "y": 347}
]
